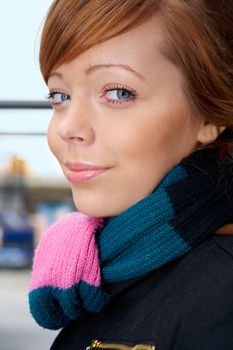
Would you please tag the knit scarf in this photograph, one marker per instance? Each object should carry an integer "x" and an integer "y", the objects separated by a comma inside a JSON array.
[{"x": 79, "y": 255}]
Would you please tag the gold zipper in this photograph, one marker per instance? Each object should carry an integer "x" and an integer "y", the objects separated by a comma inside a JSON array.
[{"x": 98, "y": 344}]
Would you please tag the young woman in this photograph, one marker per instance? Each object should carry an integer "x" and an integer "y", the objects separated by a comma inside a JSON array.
[{"x": 142, "y": 128}]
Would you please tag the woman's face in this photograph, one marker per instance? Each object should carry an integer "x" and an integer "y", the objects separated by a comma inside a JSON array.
[{"x": 120, "y": 121}]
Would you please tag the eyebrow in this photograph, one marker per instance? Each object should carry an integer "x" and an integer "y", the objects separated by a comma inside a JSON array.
[
  {"x": 95, "y": 67},
  {"x": 56, "y": 74},
  {"x": 110, "y": 65}
]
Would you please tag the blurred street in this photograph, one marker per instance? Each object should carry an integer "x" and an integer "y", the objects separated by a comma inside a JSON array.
[
  {"x": 33, "y": 191},
  {"x": 18, "y": 331}
]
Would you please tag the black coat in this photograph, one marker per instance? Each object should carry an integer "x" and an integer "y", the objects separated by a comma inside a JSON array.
[{"x": 186, "y": 305}]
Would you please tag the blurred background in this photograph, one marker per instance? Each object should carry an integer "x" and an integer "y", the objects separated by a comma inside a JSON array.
[{"x": 33, "y": 192}]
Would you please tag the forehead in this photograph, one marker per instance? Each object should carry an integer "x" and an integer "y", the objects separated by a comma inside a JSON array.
[
  {"x": 138, "y": 49},
  {"x": 139, "y": 42}
]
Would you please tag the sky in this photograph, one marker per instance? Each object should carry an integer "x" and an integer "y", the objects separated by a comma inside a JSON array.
[{"x": 20, "y": 27}]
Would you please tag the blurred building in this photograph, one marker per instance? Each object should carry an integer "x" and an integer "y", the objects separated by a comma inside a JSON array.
[{"x": 28, "y": 205}]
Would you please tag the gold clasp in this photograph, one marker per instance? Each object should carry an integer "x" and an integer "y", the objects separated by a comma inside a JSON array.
[{"x": 98, "y": 344}]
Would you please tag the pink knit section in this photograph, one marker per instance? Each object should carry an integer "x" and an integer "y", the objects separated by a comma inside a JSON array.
[{"x": 68, "y": 254}]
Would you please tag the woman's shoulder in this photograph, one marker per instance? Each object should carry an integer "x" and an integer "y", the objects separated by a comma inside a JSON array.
[
  {"x": 208, "y": 296},
  {"x": 212, "y": 261},
  {"x": 215, "y": 252},
  {"x": 224, "y": 242},
  {"x": 209, "y": 266}
]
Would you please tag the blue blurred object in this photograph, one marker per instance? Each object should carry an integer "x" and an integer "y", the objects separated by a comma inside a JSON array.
[
  {"x": 13, "y": 257},
  {"x": 54, "y": 211},
  {"x": 17, "y": 240}
]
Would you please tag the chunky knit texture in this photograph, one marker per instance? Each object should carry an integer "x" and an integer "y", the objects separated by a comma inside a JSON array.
[
  {"x": 191, "y": 203},
  {"x": 66, "y": 272}
]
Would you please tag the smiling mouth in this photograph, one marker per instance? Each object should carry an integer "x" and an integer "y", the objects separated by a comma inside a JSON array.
[{"x": 80, "y": 173}]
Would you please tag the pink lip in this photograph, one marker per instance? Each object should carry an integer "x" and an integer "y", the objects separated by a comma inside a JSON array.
[{"x": 79, "y": 172}]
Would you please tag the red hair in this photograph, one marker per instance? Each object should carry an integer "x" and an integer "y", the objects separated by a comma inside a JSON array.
[{"x": 198, "y": 38}]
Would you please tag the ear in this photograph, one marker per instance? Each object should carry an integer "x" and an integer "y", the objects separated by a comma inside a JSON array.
[{"x": 209, "y": 132}]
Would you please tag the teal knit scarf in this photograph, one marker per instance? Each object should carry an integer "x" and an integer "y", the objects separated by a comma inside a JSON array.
[{"x": 189, "y": 205}]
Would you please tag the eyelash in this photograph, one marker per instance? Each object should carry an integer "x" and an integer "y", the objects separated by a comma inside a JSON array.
[
  {"x": 110, "y": 88},
  {"x": 50, "y": 96},
  {"x": 107, "y": 89}
]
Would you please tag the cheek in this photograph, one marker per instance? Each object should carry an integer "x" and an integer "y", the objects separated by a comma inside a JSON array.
[
  {"x": 150, "y": 147},
  {"x": 52, "y": 138},
  {"x": 148, "y": 138}
]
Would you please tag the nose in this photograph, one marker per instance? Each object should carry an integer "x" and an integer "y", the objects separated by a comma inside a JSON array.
[{"x": 76, "y": 125}]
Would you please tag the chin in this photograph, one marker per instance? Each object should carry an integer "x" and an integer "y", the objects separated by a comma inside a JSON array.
[
  {"x": 93, "y": 209},
  {"x": 92, "y": 212},
  {"x": 101, "y": 205}
]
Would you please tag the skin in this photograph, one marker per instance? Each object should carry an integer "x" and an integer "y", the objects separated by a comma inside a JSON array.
[{"x": 139, "y": 137}]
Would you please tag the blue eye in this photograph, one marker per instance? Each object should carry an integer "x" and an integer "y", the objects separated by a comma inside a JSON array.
[
  {"x": 57, "y": 97},
  {"x": 118, "y": 94}
]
